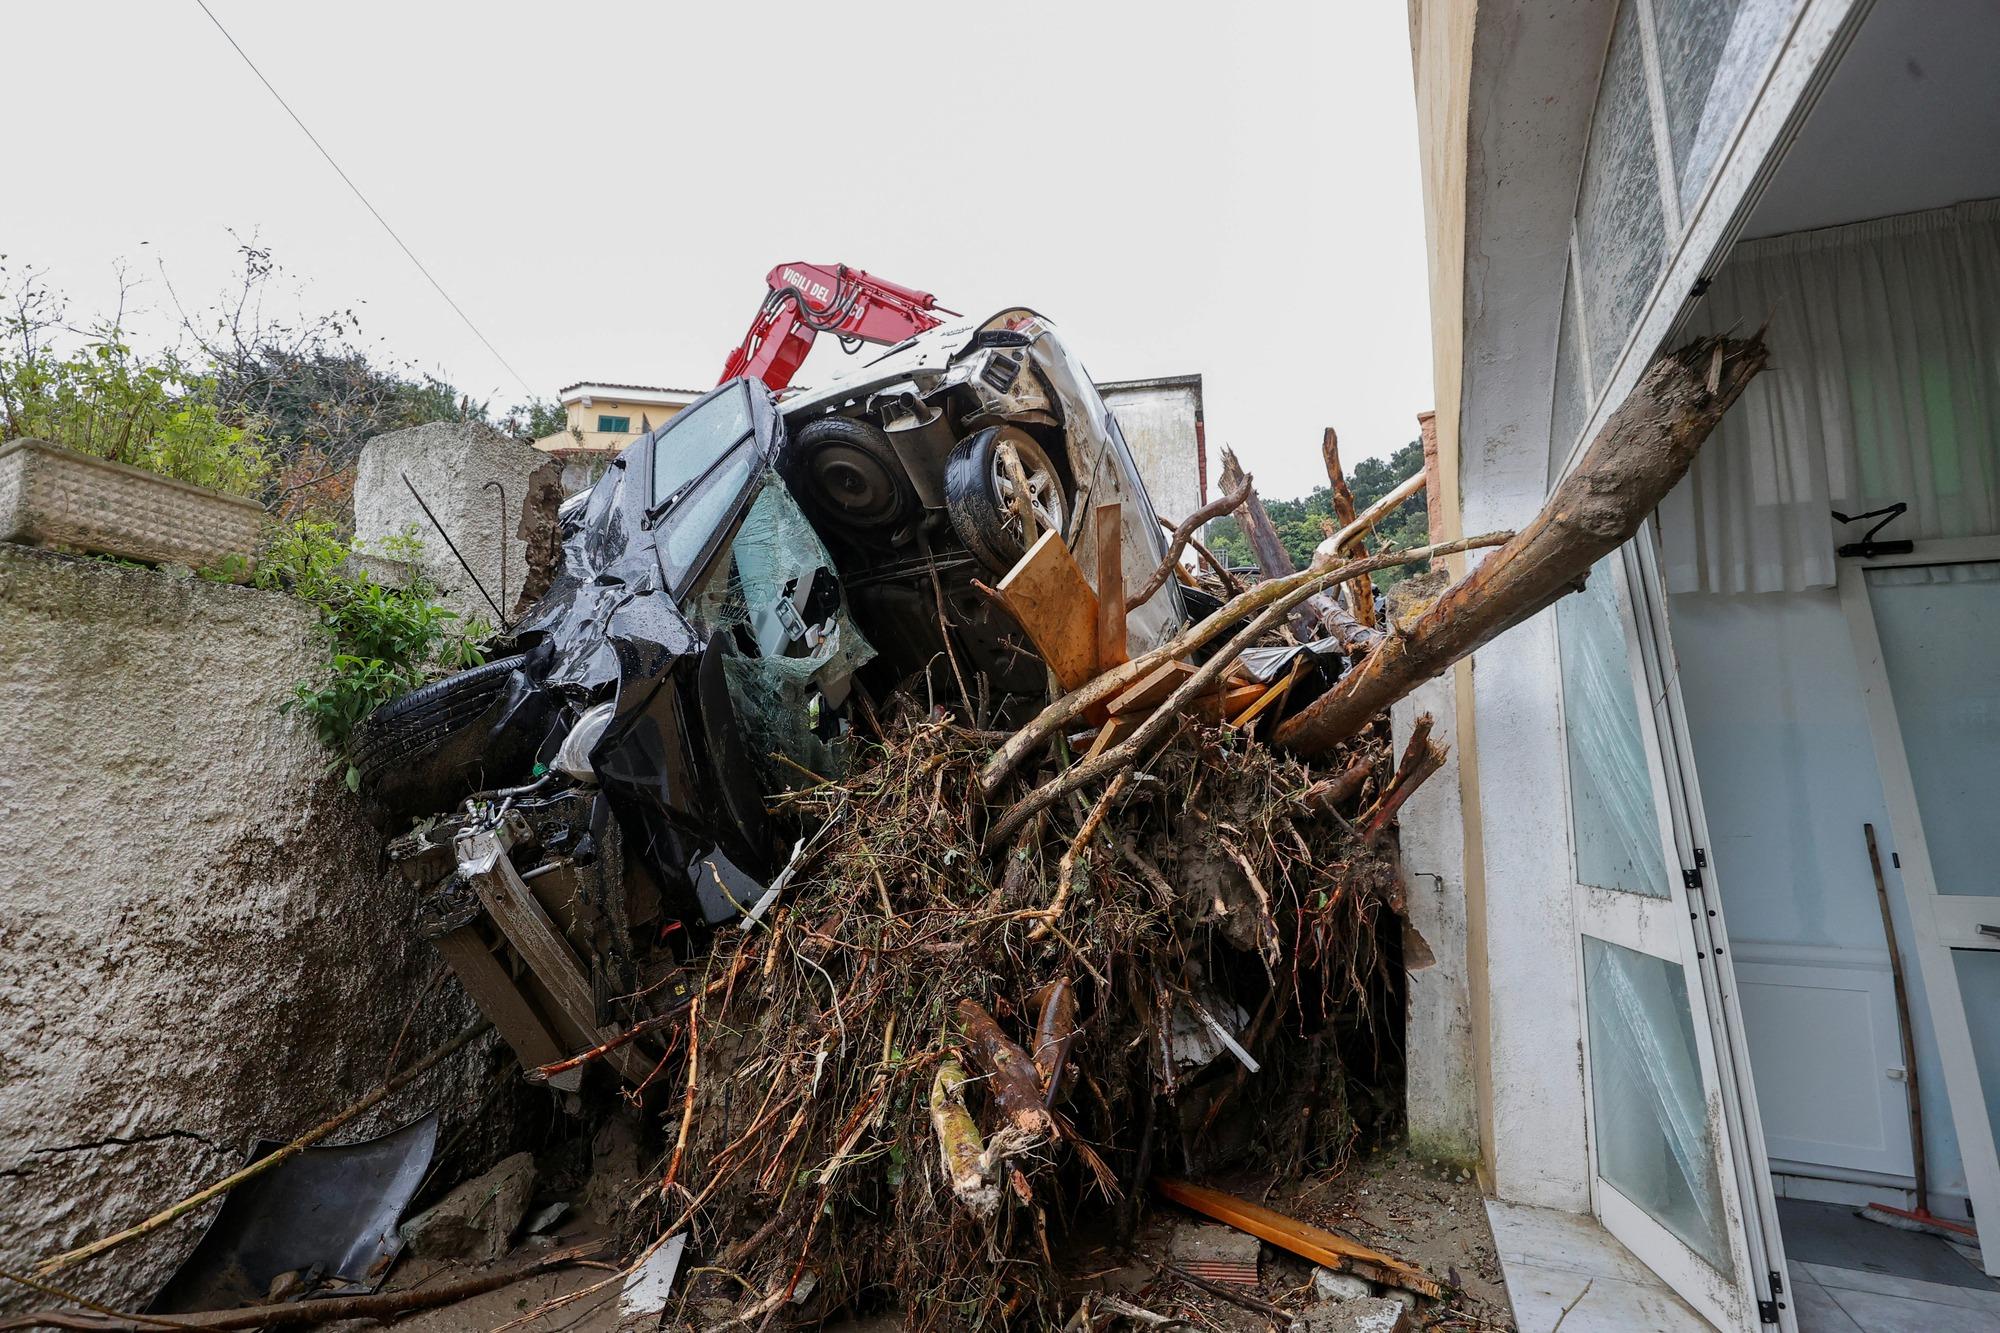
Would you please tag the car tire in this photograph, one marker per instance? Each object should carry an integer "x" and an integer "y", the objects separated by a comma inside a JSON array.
[
  {"x": 423, "y": 751},
  {"x": 981, "y": 511},
  {"x": 851, "y": 473}
]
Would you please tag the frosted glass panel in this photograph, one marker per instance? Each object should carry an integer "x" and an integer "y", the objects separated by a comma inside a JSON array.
[
  {"x": 1616, "y": 825},
  {"x": 1979, "y": 983},
  {"x": 1573, "y": 399},
  {"x": 1712, "y": 56},
  {"x": 1940, "y": 630},
  {"x": 1648, "y": 1110},
  {"x": 1620, "y": 230}
]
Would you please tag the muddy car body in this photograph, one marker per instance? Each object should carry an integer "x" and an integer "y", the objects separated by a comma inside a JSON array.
[{"x": 738, "y": 584}]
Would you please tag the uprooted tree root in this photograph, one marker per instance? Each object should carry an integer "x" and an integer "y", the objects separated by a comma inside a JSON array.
[{"x": 805, "y": 1145}]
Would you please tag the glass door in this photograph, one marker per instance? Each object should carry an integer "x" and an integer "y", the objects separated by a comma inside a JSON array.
[
  {"x": 1675, "y": 1164},
  {"x": 1926, "y": 631}
]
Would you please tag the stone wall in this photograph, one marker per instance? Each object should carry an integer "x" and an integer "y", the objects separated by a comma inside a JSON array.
[
  {"x": 451, "y": 465},
  {"x": 200, "y": 939}
]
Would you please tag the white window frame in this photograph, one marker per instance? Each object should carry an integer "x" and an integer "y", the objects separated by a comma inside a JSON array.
[{"x": 1805, "y": 59}]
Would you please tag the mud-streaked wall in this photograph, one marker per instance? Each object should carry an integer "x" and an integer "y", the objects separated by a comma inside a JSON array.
[
  {"x": 200, "y": 938},
  {"x": 1161, "y": 420}
]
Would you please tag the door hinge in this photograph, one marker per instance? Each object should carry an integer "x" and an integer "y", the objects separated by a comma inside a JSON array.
[
  {"x": 1691, "y": 879},
  {"x": 1767, "y": 1311},
  {"x": 1701, "y": 858}
]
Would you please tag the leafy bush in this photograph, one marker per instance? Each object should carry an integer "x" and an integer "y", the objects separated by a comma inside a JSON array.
[
  {"x": 381, "y": 641},
  {"x": 160, "y": 414}
]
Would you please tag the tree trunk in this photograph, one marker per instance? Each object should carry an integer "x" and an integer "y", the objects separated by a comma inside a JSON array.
[
  {"x": 1362, "y": 589},
  {"x": 1272, "y": 560},
  {"x": 1646, "y": 447}
]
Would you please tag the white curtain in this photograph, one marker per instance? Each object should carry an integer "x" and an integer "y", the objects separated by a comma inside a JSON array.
[{"x": 1884, "y": 385}]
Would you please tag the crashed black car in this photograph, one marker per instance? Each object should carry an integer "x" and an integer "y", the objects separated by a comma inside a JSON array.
[{"x": 739, "y": 584}]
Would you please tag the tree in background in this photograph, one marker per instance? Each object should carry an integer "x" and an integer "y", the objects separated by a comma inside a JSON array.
[
  {"x": 1303, "y": 523},
  {"x": 243, "y": 401},
  {"x": 318, "y": 395},
  {"x": 163, "y": 413}
]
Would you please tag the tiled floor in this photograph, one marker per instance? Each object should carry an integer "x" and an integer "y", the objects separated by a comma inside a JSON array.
[
  {"x": 1564, "y": 1269},
  {"x": 1849, "y": 1300}
]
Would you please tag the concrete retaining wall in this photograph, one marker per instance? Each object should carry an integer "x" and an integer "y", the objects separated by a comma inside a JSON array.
[
  {"x": 200, "y": 939},
  {"x": 451, "y": 463}
]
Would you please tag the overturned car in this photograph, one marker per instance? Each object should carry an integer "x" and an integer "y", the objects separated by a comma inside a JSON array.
[{"x": 740, "y": 588}]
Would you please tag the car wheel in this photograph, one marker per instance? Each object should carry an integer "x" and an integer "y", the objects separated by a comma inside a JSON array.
[
  {"x": 424, "y": 751},
  {"x": 850, "y": 472},
  {"x": 979, "y": 494}
]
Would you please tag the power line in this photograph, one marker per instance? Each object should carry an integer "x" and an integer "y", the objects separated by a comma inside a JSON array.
[{"x": 364, "y": 199}]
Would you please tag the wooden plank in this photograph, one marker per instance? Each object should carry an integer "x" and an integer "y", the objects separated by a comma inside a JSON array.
[
  {"x": 494, "y": 991},
  {"x": 1111, "y": 650},
  {"x": 1147, "y": 691},
  {"x": 1301, "y": 1238},
  {"x": 1049, "y": 598},
  {"x": 527, "y": 927},
  {"x": 1216, "y": 705},
  {"x": 1271, "y": 697},
  {"x": 1113, "y": 731}
]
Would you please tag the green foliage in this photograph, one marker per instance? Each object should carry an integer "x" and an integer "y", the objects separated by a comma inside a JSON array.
[
  {"x": 381, "y": 641},
  {"x": 536, "y": 419},
  {"x": 159, "y": 413},
  {"x": 1303, "y": 523}
]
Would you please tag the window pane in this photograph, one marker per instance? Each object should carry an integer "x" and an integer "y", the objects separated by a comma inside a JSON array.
[
  {"x": 1979, "y": 983},
  {"x": 694, "y": 439},
  {"x": 1937, "y": 624},
  {"x": 1712, "y": 57},
  {"x": 1655, "y": 1144},
  {"x": 614, "y": 425},
  {"x": 1620, "y": 230},
  {"x": 1573, "y": 401},
  {"x": 692, "y": 523},
  {"x": 1612, "y": 814}
]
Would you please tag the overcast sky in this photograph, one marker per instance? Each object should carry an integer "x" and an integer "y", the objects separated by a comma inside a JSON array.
[{"x": 1229, "y": 190}]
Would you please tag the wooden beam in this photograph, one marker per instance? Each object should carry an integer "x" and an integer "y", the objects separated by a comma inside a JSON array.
[
  {"x": 1049, "y": 598},
  {"x": 1151, "y": 688},
  {"x": 487, "y": 981},
  {"x": 512, "y": 905},
  {"x": 1111, "y": 649},
  {"x": 1316, "y": 1244}
]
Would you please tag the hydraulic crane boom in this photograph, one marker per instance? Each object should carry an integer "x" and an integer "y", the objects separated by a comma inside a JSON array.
[{"x": 809, "y": 299}]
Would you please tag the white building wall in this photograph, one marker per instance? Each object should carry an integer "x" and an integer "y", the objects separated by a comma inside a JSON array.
[{"x": 1162, "y": 423}]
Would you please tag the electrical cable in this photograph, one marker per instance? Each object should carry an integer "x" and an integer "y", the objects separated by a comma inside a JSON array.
[{"x": 364, "y": 200}]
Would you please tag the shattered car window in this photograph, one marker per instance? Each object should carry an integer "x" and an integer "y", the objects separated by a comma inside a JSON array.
[
  {"x": 795, "y": 649},
  {"x": 694, "y": 521},
  {"x": 690, "y": 444}
]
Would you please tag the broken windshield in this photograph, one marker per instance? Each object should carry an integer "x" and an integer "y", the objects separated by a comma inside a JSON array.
[{"x": 691, "y": 443}]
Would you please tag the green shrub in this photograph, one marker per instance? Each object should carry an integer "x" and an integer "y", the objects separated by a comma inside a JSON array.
[
  {"x": 161, "y": 414},
  {"x": 381, "y": 641}
]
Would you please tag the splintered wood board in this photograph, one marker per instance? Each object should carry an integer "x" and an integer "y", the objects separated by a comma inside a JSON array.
[
  {"x": 1301, "y": 1238},
  {"x": 1049, "y": 598},
  {"x": 1146, "y": 692},
  {"x": 1269, "y": 697},
  {"x": 1110, "y": 525},
  {"x": 1220, "y": 704},
  {"x": 1113, "y": 731}
]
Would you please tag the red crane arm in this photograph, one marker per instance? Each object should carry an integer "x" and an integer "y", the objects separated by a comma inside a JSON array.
[{"x": 808, "y": 299}]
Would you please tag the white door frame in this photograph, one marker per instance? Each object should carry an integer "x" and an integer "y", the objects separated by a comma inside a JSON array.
[
  {"x": 1751, "y": 1158},
  {"x": 1677, "y": 928},
  {"x": 1939, "y": 922}
]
